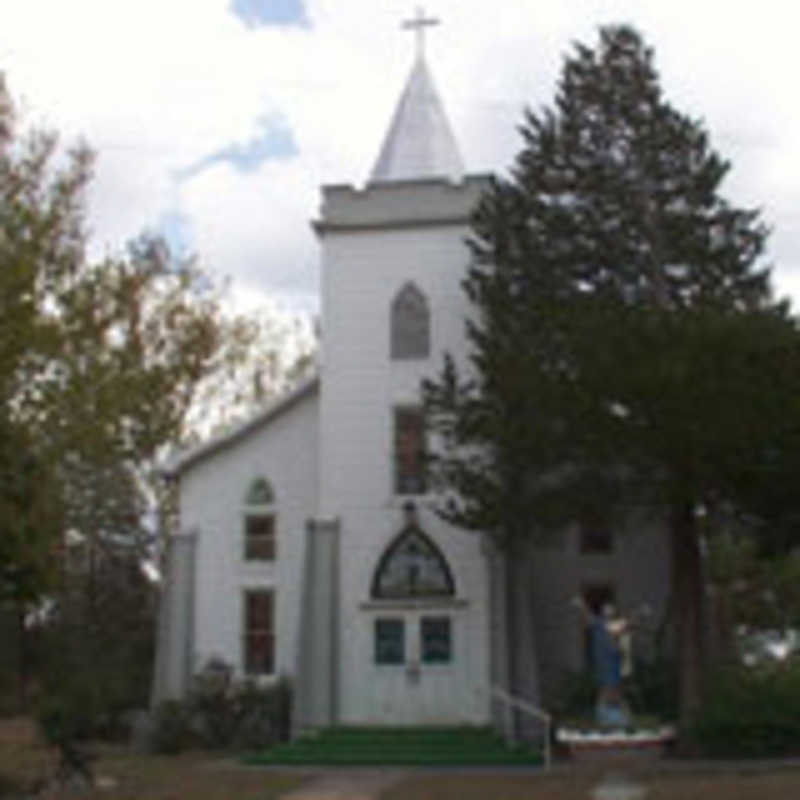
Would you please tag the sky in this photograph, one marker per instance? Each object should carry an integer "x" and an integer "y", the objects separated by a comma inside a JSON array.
[{"x": 215, "y": 122}]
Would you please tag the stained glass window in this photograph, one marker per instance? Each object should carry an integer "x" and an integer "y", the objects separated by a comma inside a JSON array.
[
  {"x": 410, "y": 324},
  {"x": 412, "y": 567},
  {"x": 390, "y": 642}
]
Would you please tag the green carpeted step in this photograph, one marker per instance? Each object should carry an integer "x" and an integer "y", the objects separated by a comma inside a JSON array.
[{"x": 397, "y": 746}]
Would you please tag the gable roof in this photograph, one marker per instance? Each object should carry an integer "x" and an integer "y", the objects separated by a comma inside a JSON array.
[{"x": 180, "y": 462}]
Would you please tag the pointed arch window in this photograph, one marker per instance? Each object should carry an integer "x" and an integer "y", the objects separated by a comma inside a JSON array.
[
  {"x": 412, "y": 567},
  {"x": 410, "y": 324},
  {"x": 259, "y": 521}
]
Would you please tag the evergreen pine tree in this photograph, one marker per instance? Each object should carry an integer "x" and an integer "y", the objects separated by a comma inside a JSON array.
[{"x": 625, "y": 345}]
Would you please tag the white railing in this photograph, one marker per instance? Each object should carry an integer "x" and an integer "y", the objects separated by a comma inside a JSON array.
[{"x": 510, "y": 702}]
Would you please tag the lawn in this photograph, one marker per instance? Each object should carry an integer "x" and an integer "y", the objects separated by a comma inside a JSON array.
[{"x": 24, "y": 763}]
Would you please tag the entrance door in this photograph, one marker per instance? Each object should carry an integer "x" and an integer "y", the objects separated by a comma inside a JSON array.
[{"x": 416, "y": 668}]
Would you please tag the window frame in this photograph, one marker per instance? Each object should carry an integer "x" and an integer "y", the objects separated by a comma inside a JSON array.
[
  {"x": 409, "y": 342},
  {"x": 258, "y": 511},
  {"x": 424, "y": 656},
  {"x": 248, "y": 632},
  {"x": 400, "y": 624},
  {"x": 402, "y": 482}
]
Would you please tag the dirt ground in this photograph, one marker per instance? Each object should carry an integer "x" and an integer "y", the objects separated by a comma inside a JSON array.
[
  {"x": 26, "y": 765},
  {"x": 779, "y": 785}
]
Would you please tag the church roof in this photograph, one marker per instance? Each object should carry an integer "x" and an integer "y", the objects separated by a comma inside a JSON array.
[
  {"x": 181, "y": 461},
  {"x": 419, "y": 142}
]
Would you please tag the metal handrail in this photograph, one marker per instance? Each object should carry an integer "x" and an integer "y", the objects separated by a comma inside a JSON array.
[{"x": 534, "y": 711}]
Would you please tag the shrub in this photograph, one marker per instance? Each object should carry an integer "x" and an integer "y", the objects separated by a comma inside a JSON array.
[
  {"x": 653, "y": 688},
  {"x": 220, "y": 712},
  {"x": 171, "y": 728},
  {"x": 750, "y": 713},
  {"x": 66, "y": 722},
  {"x": 267, "y": 714},
  {"x": 214, "y": 705},
  {"x": 576, "y": 696}
]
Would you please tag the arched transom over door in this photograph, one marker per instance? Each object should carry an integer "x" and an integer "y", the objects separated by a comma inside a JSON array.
[{"x": 412, "y": 567}]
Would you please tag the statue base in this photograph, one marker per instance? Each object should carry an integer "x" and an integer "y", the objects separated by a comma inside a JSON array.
[{"x": 615, "y": 746}]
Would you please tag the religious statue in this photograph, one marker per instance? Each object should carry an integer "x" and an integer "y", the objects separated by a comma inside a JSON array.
[{"x": 612, "y": 659}]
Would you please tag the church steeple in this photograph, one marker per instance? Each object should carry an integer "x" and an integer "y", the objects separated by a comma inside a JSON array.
[{"x": 419, "y": 142}]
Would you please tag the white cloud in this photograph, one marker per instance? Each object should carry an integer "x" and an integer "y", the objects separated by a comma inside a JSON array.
[{"x": 157, "y": 86}]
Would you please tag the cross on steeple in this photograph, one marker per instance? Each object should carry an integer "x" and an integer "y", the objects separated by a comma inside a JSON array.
[{"x": 418, "y": 25}]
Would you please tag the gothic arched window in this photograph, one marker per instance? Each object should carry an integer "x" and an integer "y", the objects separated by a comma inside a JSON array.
[
  {"x": 412, "y": 566},
  {"x": 410, "y": 324},
  {"x": 259, "y": 521}
]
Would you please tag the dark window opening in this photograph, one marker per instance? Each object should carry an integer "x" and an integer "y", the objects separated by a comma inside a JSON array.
[
  {"x": 390, "y": 642},
  {"x": 409, "y": 451},
  {"x": 259, "y": 537},
  {"x": 596, "y": 536},
  {"x": 436, "y": 640},
  {"x": 259, "y": 632}
]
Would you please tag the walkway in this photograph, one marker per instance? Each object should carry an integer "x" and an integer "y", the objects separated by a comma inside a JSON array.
[{"x": 348, "y": 785}]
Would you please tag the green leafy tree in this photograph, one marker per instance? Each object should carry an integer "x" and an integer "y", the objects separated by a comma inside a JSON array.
[
  {"x": 625, "y": 346},
  {"x": 101, "y": 363}
]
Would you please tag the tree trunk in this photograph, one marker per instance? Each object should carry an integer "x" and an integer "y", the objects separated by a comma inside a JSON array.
[
  {"x": 523, "y": 672},
  {"x": 512, "y": 628},
  {"x": 687, "y": 581},
  {"x": 22, "y": 655}
]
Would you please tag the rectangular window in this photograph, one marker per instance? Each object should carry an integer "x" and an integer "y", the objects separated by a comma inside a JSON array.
[
  {"x": 390, "y": 641},
  {"x": 596, "y": 536},
  {"x": 259, "y": 632},
  {"x": 409, "y": 451},
  {"x": 259, "y": 537},
  {"x": 436, "y": 646}
]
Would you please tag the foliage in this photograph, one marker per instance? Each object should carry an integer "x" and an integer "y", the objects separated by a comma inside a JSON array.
[
  {"x": 29, "y": 518},
  {"x": 752, "y": 713},
  {"x": 98, "y": 361},
  {"x": 651, "y": 692},
  {"x": 575, "y": 696},
  {"x": 65, "y": 722},
  {"x": 625, "y": 346},
  {"x": 96, "y": 643},
  {"x": 171, "y": 728},
  {"x": 221, "y": 712},
  {"x": 103, "y": 364}
]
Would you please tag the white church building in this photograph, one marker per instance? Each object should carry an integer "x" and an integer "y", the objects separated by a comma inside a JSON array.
[{"x": 309, "y": 546}]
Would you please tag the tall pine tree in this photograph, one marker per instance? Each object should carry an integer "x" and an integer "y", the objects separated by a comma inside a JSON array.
[{"x": 625, "y": 345}]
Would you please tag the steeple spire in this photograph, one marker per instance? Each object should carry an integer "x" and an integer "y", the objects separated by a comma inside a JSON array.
[{"x": 419, "y": 142}]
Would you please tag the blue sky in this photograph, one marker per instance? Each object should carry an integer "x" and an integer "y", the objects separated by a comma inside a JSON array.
[
  {"x": 216, "y": 121},
  {"x": 257, "y": 13},
  {"x": 272, "y": 139}
]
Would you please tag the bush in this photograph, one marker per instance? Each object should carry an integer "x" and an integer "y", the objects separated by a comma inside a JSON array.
[
  {"x": 172, "y": 731},
  {"x": 576, "y": 696},
  {"x": 750, "y": 713},
  {"x": 653, "y": 689},
  {"x": 220, "y": 712}
]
